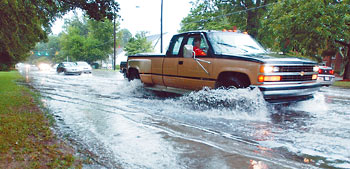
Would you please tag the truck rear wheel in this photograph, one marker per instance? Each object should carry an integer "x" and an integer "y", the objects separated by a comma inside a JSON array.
[{"x": 133, "y": 74}]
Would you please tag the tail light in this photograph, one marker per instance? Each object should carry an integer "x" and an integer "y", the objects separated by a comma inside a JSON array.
[
  {"x": 331, "y": 72},
  {"x": 319, "y": 71}
]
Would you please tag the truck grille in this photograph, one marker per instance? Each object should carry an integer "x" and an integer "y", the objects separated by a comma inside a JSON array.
[
  {"x": 293, "y": 78},
  {"x": 296, "y": 73},
  {"x": 296, "y": 68}
]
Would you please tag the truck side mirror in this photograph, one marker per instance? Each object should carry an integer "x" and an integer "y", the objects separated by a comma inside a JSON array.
[{"x": 188, "y": 51}]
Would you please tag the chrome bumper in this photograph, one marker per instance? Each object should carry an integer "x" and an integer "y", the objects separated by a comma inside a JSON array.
[
  {"x": 326, "y": 80},
  {"x": 290, "y": 91}
]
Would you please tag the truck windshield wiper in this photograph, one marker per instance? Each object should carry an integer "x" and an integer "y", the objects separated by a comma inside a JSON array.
[
  {"x": 251, "y": 47},
  {"x": 232, "y": 46},
  {"x": 226, "y": 44}
]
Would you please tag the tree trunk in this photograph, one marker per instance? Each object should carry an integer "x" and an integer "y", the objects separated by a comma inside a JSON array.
[
  {"x": 252, "y": 17},
  {"x": 252, "y": 24},
  {"x": 346, "y": 75}
]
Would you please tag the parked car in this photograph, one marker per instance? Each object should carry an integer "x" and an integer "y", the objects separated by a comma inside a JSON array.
[
  {"x": 326, "y": 76},
  {"x": 85, "y": 67},
  {"x": 69, "y": 68}
]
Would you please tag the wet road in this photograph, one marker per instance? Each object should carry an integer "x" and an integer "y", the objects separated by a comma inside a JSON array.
[{"x": 118, "y": 124}]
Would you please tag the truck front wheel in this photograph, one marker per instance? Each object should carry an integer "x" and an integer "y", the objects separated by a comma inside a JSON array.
[{"x": 230, "y": 81}]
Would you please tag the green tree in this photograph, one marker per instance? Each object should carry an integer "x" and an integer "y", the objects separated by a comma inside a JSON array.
[
  {"x": 310, "y": 27},
  {"x": 24, "y": 23},
  {"x": 224, "y": 14},
  {"x": 138, "y": 44},
  {"x": 72, "y": 44},
  {"x": 124, "y": 36},
  {"x": 79, "y": 23},
  {"x": 102, "y": 33},
  {"x": 54, "y": 47},
  {"x": 87, "y": 40},
  {"x": 48, "y": 49}
]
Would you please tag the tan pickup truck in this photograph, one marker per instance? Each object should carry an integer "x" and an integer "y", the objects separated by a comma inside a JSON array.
[{"x": 224, "y": 59}]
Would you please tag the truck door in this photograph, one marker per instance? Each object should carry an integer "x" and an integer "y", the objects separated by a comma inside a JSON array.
[
  {"x": 170, "y": 62},
  {"x": 195, "y": 72}
]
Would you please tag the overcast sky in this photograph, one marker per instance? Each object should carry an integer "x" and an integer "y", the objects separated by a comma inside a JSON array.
[{"x": 144, "y": 15}]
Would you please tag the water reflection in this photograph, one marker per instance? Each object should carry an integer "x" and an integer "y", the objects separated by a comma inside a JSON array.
[
  {"x": 257, "y": 165},
  {"x": 286, "y": 118}
]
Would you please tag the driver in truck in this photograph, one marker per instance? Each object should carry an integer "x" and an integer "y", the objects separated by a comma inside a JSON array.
[{"x": 196, "y": 47}]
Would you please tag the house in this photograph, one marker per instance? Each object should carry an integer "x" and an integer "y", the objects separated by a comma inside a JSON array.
[
  {"x": 335, "y": 62},
  {"x": 155, "y": 39}
]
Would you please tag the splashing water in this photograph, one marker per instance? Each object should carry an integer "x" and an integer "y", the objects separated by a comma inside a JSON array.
[
  {"x": 237, "y": 99},
  {"x": 238, "y": 102}
]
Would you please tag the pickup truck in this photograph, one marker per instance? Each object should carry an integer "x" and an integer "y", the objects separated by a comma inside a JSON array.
[{"x": 224, "y": 59}]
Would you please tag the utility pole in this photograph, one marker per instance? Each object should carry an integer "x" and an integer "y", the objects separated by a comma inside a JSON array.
[
  {"x": 114, "y": 38},
  {"x": 161, "y": 27}
]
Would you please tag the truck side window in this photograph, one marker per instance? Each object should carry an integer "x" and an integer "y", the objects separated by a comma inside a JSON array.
[
  {"x": 177, "y": 45},
  {"x": 200, "y": 47}
]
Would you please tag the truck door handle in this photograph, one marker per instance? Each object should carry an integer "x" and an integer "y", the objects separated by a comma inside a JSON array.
[{"x": 181, "y": 62}]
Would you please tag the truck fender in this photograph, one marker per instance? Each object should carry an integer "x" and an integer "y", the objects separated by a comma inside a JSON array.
[
  {"x": 141, "y": 65},
  {"x": 240, "y": 73}
]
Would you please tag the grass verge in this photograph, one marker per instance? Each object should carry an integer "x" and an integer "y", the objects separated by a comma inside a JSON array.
[
  {"x": 345, "y": 84},
  {"x": 26, "y": 140}
]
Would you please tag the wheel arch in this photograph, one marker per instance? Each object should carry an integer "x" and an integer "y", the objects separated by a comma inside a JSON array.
[
  {"x": 131, "y": 71},
  {"x": 241, "y": 76}
]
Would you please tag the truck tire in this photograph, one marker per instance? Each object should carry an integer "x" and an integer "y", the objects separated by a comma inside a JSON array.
[
  {"x": 231, "y": 81},
  {"x": 133, "y": 74}
]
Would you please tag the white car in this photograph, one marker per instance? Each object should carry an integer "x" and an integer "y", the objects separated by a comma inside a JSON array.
[
  {"x": 68, "y": 68},
  {"x": 325, "y": 76},
  {"x": 85, "y": 67}
]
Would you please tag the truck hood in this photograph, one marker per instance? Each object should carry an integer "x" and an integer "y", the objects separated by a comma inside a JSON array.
[
  {"x": 271, "y": 59},
  {"x": 274, "y": 60}
]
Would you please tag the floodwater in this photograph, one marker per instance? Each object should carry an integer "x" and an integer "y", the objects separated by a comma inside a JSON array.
[{"x": 118, "y": 124}]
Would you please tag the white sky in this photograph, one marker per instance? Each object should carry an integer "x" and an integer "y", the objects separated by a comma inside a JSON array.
[{"x": 144, "y": 15}]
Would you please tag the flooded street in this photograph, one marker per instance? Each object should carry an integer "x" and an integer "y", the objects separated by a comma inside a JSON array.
[{"x": 118, "y": 124}]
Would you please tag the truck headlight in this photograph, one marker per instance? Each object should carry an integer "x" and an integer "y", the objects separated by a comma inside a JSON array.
[
  {"x": 316, "y": 68},
  {"x": 269, "y": 69}
]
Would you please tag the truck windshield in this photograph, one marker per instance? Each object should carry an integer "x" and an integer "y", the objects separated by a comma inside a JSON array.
[{"x": 232, "y": 43}]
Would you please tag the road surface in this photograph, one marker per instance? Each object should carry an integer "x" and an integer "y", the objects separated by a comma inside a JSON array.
[{"x": 118, "y": 124}]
